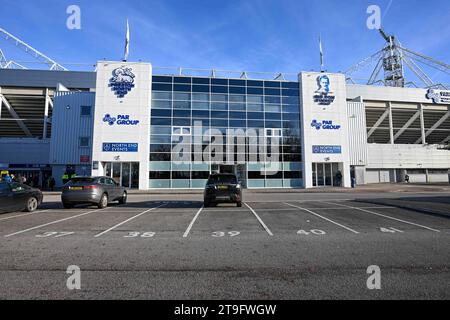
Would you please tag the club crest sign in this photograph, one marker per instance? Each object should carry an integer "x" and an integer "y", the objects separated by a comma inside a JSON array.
[
  {"x": 122, "y": 81},
  {"x": 324, "y": 96},
  {"x": 439, "y": 96}
]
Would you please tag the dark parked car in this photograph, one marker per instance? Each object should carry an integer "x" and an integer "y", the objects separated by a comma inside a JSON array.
[
  {"x": 19, "y": 197},
  {"x": 223, "y": 188},
  {"x": 92, "y": 190}
]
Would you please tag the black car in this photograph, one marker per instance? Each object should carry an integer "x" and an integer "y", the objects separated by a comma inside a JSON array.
[
  {"x": 18, "y": 197},
  {"x": 223, "y": 188}
]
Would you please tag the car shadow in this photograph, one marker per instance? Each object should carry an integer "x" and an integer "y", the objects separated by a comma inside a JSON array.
[{"x": 130, "y": 205}]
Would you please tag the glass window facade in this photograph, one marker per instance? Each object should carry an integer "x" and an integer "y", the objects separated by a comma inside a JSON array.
[{"x": 184, "y": 108}]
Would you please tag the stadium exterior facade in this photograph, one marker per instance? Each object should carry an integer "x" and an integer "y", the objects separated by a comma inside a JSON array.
[{"x": 154, "y": 131}]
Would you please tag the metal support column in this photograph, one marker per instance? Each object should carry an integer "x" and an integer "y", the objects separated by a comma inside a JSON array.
[
  {"x": 47, "y": 103},
  {"x": 391, "y": 124},
  {"x": 422, "y": 124}
]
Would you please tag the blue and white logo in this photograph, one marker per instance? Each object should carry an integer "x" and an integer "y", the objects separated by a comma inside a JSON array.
[
  {"x": 107, "y": 147},
  {"x": 323, "y": 95},
  {"x": 121, "y": 120},
  {"x": 122, "y": 81},
  {"x": 111, "y": 121},
  {"x": 325, "y": 125},
  {"x": 439, "y": 96},
  {"x": 434, "y": 95}
]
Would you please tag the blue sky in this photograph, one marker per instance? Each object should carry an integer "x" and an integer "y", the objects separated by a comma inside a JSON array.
[{"x": 253, "y": 35}]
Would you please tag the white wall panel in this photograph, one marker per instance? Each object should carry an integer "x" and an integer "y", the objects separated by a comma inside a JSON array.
[
  {"x": 438, "y": 178},
  {"x": 357, "y": 129},
  {"x": 372, "y": 176},
  {"x": 385, "y": 156}
]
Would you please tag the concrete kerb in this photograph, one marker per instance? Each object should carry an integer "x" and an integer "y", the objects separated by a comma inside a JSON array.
[{"x": 378, "y": 188}]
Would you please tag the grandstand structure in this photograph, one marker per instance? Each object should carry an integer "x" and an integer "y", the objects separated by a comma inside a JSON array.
[{"x": 397, "y": 122}]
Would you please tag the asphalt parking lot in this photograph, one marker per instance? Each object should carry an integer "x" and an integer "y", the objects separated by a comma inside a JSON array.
[{"x": 277, "y": 246}]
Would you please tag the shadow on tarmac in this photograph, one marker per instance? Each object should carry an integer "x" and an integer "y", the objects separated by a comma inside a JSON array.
[
  {"x": 130, "y": 205},
  {"x": 438, "y": 199},
  {"x": 436, "y": 206}
]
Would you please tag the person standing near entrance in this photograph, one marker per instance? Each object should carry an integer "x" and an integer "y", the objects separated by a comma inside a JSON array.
[
  {"x": 72, "y": 175},
  {"x": 7, "y": 178},
  {"x": 407, "y": 178},
  {"x": 339, "y": 178},
  {"x": 353, "y": 177},
  {"x": 51, "y": 183},
  {"x": 65, "y": 178}
]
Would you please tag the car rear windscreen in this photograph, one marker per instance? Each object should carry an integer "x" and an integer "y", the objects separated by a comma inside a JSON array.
[
  {"x": 82, "y": 180},
  {"x": 226, "y": 179}
]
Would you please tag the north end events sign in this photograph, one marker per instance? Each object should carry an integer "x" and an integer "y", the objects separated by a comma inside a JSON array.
[
  {"x": 327, "y": 149},
  {"x": 120, "y": 147}
]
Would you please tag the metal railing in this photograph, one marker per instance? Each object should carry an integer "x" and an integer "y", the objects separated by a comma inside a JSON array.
[{"x": 226, "y": 74}]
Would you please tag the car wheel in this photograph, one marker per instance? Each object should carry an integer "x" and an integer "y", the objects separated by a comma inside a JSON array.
[
  {"x": 67, "y": 205},
  {"x": 103, "y": 201},
  {"x": 239, "y": 204},
  {"x": 206, "y": 204},
  {"x": 123, "y": 199},
  {"x": 32, "y": 204}
]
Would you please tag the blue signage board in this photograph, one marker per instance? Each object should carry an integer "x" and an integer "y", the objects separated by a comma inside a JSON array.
[
  {"x": 120, "y": 147},
  {"x": 327, "y": 149}
]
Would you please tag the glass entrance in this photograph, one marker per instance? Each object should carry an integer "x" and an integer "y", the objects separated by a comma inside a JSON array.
[
  {"x": 126, "y": 181},
  {"x": 326, "y": 175},
  {"x": 241, "y": 173},
  {"x": 116, "y": 172},
  {"x": 125, "y": 174},
  {"x": 226, "y": 169}
]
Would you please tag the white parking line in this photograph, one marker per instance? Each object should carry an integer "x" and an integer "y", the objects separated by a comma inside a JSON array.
[
  {"x": 260, "y": 220},
  {"x": 192, "y": 223},
  {"x": 23, "y": 215},
  {"x": 324, "y": 218},
  {"x": 128, "y": 220},
  {"x": 277, "y": 210},
  {"x": 385, "y": 216},
  {"x": 305, "y": 200},
  {"x": 51, "y": 223}
]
